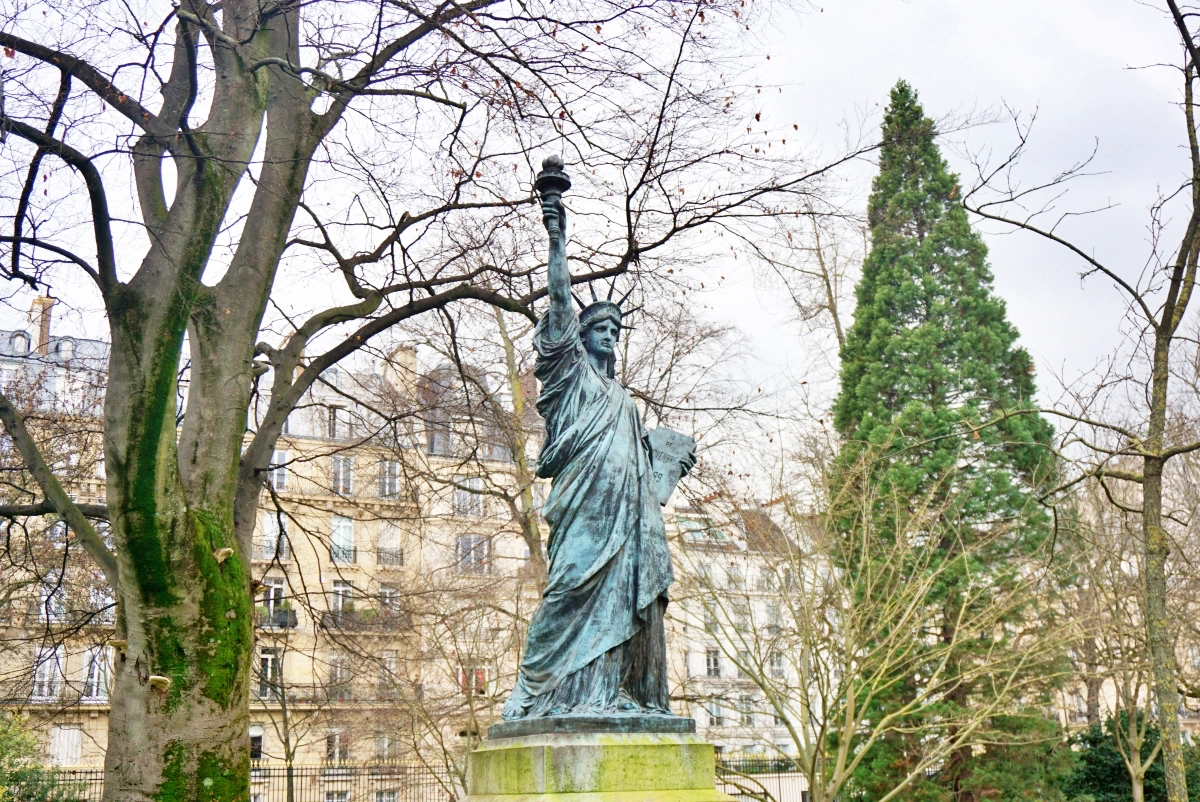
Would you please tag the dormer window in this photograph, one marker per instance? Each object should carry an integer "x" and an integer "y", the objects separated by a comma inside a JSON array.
[{"x": 18, "y": 343}]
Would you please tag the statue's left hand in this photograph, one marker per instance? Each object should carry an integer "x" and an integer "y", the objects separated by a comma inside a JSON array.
[{"x": 688, "y": 462}]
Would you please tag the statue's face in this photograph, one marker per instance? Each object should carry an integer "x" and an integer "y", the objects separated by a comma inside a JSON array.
[{"x": 601, "y": 338}]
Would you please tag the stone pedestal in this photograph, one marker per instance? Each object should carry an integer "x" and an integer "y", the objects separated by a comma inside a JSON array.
[{"x": 601, "y": 759}]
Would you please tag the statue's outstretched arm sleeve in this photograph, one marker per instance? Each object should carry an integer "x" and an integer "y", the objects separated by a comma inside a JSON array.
[{"x": 559, "y": 277}]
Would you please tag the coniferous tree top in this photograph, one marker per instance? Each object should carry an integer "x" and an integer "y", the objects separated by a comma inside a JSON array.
[{"x": 931, "y": 350}]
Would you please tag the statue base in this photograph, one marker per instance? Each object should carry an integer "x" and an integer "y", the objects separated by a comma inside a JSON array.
[{"x": 617, "y": 765}]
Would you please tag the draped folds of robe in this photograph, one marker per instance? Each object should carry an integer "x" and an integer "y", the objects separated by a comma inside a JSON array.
[{"x": 596, "y": 644}]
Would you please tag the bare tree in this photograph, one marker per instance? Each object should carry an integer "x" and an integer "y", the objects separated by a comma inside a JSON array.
[{"x": 1142, "y": 428}]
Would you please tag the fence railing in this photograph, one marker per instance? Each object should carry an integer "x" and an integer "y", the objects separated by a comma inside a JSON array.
[{"x": 746, "y": 780}]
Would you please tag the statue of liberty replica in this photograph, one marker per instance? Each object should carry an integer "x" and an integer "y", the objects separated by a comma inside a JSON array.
[{"x": 596, "y": 644}]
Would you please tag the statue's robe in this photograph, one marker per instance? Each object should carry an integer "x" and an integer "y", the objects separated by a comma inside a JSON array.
[{"x": 596, "y": 643}]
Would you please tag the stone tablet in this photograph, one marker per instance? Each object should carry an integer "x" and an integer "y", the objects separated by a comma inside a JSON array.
[{"x": 668, "y": 450}]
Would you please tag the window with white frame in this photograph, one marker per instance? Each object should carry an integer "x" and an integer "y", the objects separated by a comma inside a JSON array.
[
  {"x": 272, "y": 596},
  {"x": 389, "y": 479},
  {"x": 389, "y": 666},
  {"x": 473, "y": 554},
  {"x": 54, "y": 600},
  {"x": 342, "y": 477},
  {"x": 387, "y": 747},
  {"x": 735, "y": 578},
  {"x": 339, "y": 676},
  {"x": 342, "y": 540},
  {"x": 716, "y": 716},
  {"x": 272, "y": 541},
  {"x": 101, "y": 602},
  {"x": 336, "y": 796},
  {"x": 342, "y": 598},
  {"x": 95, "y": 674},
  {"x": 277, "y": 471},
  {"x": 388, "y": 550},
  {"x": 712, "y": 662},
  {"x": 270, "y": 672},
  {"x": 775, "y": 666},
  {"x": 66, "y": 745},
  {"x": 389, "y": 599},
  {"x": 339, "y": 426},
  {"x": 386, "y": 796},
  {"x": 744, "y": 665},
  {"x": 468, "y": 496},
  {"x": 47, "y": 674},
  {"x": 746, "y": 710}
]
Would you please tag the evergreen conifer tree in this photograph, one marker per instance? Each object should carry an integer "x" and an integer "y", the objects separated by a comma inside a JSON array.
[{"x": 935, "y": 401}]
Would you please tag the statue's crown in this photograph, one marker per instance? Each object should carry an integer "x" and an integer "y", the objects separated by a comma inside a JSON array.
[{"x": 606, "y": 309}]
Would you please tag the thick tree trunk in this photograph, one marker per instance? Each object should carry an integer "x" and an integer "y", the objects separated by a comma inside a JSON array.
[{"x": 178, "y": 721}]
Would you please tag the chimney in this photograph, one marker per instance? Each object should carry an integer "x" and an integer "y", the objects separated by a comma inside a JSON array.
[{"x": 39, "y": 321}]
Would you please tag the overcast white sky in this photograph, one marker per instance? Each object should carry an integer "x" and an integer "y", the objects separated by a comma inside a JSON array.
[{"x": 1075, "y": 62}]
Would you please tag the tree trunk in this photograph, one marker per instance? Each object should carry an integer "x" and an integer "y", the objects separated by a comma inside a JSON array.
[{"x": 1157, "y": 550}]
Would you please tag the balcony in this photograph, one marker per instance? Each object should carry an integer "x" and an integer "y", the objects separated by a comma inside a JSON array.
[
  {"x": 278, "y": 618},
  {"x": 389, "y": 557},
  {"x": 343, "y": 554},
  {"x": 350, "y": 620}
]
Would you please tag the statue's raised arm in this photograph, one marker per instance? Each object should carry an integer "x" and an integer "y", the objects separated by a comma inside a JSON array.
[{"x": 551, "y": 183}]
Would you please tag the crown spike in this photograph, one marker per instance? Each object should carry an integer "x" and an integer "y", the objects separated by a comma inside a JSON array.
[
  {"x": 612, "y": 288},
  {"x": 592, "y": 289},
  {"x": 625, "y": 297},
  {"x": 582, "y": 305}
]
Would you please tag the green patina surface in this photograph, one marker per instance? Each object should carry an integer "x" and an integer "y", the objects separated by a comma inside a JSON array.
[{"x": 590, "y": 764}]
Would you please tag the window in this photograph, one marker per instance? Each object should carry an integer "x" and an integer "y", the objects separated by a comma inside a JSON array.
[
  {"x": 341, "y": 547},
  {"x": 385, "y": 796},
  {"x": 342, "y": 598},
  {"x": 270, "y": 673},
  {"x": 66, "y": 745},
  {"x": 775, "y": 667},
  {"x": 256, "y": 747},
  {"x": 337, "y": 796},
  {"x": 339, "y": 677},
  {"x": 389, "y": 479},
  {"x": 473, "y": 679},
  {"x": 389, "y": 600},
  {"x": 272, "y": 543},
  {"x": 744, "y": 665},
  {"x": 766, "y": 580},
  {"x": 388, "y": 551},
  {"x": 740, "y": 615},
  {"x": 54, "y": 600},
  {"x": 101, "y": 603},
  {"x": 47, "y": 674},
  {"x": 716, "y": 717},
  {"x": 95, "y": 674},
  {"x": 734, "y": 577},
  {"x": 773, "y": 619},
  {"x": 712, "y": 662},
  {"x": 389, "y": 665},
  {"x": 339, "y": 425},
  {"x": 342, "y": 478},
  {"x": 711, "y": 625},
  {"x": 746, "y": 710},
  {"x": 272, "y": 597},
  {"x": 473, "y": 555},
  {"x": 277, "y": 471},
  {"x": 704, "y": 574},
  {"x": 386, "y": 748},
  {"x": 468, "y": 498}
]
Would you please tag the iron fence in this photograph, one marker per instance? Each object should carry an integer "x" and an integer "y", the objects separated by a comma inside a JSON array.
[{"x": 746, "y": 780}]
